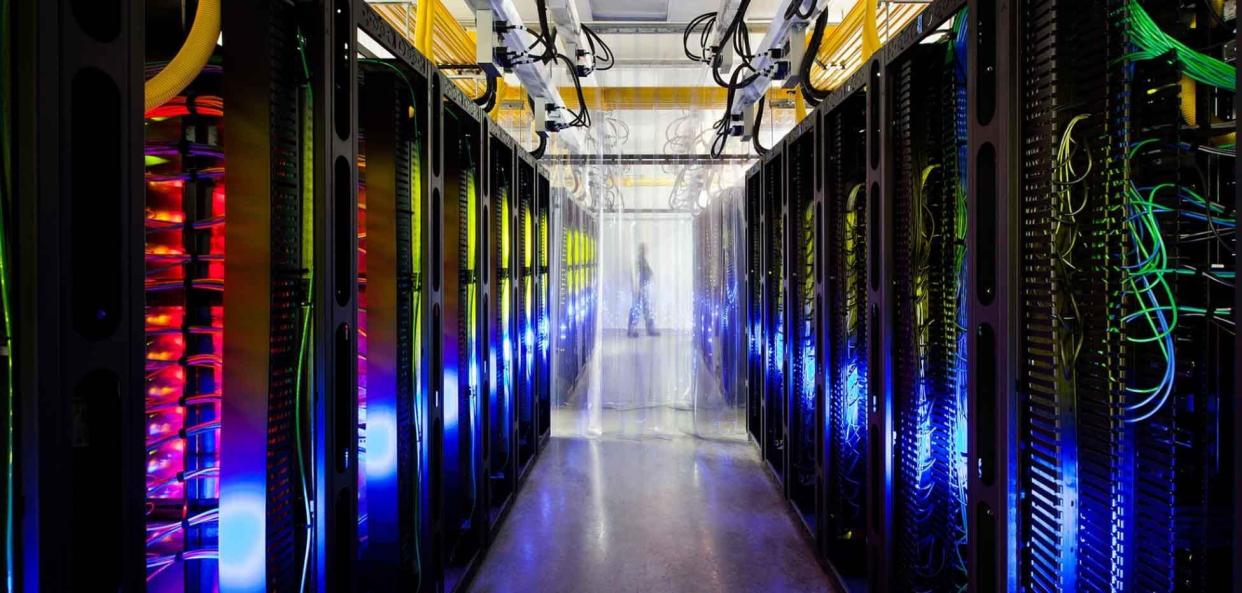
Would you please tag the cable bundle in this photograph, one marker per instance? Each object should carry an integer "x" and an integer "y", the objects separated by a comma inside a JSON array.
[
  {"x": 184, "y": 255},
  {"x": 1154, "y": 43}
]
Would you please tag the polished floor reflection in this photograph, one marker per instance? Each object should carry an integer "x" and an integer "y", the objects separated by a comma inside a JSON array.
[
  {"x": 651, "y": 386},
  {"x": 676, "y": 515}
]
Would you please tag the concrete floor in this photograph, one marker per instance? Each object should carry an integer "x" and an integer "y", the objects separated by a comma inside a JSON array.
[{"x": 655, "y": 515}]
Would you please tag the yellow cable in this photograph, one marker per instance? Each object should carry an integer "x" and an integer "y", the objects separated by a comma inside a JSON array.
[
  {"x": 1188, "y": 99},
  {"x": 190, "y": 59},
  {"x": 871, "y": 35},
  {"x": 422, "y": 28}
]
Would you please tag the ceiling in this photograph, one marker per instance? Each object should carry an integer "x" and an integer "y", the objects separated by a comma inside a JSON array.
[{"x": 649, "y": 55}]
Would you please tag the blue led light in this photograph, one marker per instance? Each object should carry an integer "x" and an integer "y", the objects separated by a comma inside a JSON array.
[
  {"x": 243, "y": 539},
  {"x": 381, "y": 458}
]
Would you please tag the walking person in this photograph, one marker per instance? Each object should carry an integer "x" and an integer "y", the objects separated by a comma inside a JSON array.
[{"x": 642, "y": 296}]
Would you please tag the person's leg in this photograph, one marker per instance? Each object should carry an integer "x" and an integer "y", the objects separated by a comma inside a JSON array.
[
  {"x": 646, "y": 299},
  {"x": 635, "y": 311}
]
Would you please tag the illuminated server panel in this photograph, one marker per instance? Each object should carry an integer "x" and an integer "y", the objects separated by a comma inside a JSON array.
[
  {"x": 443, "y": 312},
  {"x": 458, "y": 320},
  {"x": 501, "y": 409},
  {"x": 926, "y": 207},
  {"x": 775, "y": 315},
  {"x": 1126, "y": 335},
  {"x": 149, "y": 374},
  {"x": 804, "y": 395},
  {"x": 543, "y": 308},
  {"x": 288, "y": 469},
  {"x": 846, "y": 342},
  {"x": 527, "y": 311},
  {"x": 719, "y": 324},
  {"x": 755, "y": 327},
  {"x": 394, "y": 370},
  {"x": 577, "y": 295}
]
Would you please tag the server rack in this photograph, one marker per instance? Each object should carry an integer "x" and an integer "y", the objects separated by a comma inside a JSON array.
[
  {"x": 755, "y": 328},
  {"x": 316, "y": 476},
  {"x": 9, "y": 453},
  {"x": 153, "y": 258},
  {"x": 394, "y": 371},
  {"x": 502, "y": 360},
  {"x": 775, "y": 316},
  {"x": 925, "y": 197},
  {"x": 846, "y": 343},
  {"x": 76, "y": 83},
  {"x": 456, "y": 434},
  {"x": 719, "y": 323},
  {"x": 804, "y": 395},
  {"x": 543, "y": 315},
  {"x": 1124, "y": 385},
  {"x": 527, "y": 181},
  {"x": 575, "y": 313}
]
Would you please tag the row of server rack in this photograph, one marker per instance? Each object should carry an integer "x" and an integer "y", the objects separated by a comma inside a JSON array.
[
  {"x": 286, "y": 330},
  {"x": 989, "y": 291}
]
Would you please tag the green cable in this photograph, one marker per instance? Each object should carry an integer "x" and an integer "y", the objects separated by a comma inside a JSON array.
[
  {"x": 308, "y": 260},
  {"x": 416, "y": 214},
  {"x": 1153, "y": 43},
  {"x": 5, "y": 304}
]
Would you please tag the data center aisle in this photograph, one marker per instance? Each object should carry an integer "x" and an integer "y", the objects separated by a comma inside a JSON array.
[{"x": 677, "y": 514}]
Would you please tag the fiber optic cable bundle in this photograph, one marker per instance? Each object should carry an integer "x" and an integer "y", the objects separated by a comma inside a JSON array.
[
  {"x": 362, "y": 341},
  {"x": 184, "y": 340}
]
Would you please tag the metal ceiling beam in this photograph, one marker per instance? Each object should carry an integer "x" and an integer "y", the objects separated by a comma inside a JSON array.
[
  {"x": 650, "y": 159},
  {"x": 771, "y": 61},
  {"x": 536, "y": 76},
  {"x": 617, "y": 28}
]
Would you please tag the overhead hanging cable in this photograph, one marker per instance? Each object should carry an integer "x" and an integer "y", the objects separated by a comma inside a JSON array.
[
  {"x": 199, "y": 44},
  {"x": 810, "y": 92}
]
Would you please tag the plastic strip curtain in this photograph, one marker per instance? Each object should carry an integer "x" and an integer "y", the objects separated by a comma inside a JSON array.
[{"x": 650, "y": 258}]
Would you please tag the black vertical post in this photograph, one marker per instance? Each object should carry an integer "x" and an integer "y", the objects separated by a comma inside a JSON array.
[
  {"x": 788, "y": 324},
  {"x": 991, "y": 271},
  {"x": 78, "y": 100},
  {"x": 481, "y": 432},
  {"x": 819, "y": 325},
  {"x": 1237, "y": 354},
  {"x": 333, "y": 38},
  {"x": 880, "y": 306}
]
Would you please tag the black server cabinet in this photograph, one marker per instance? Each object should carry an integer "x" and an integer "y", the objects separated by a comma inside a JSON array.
[
  {"x": 500, "y": 412},
  {"x": 879, "y": 320},
  {"x": 527, "y": 303},
  {"x": 992, "y": 319},
  {"x": 804, "y": 395},
  {"x": 1124, "y": 391},
  {"x": 755, "y": 328},
  {"x": 77, "y": 107},
  {"x": 926, "y": 200},
  {"x": 718, "y": 333},
  {"x": 457, "y": 319},
  {"x": 543, "y": 317},
  {"x": 333, "y": 68},
  {"x": 845, "y": 331},
  {"x": 775, "y": 316},
  {"x": 9, "y": 454},
  {"x": 392, "y": 318}
]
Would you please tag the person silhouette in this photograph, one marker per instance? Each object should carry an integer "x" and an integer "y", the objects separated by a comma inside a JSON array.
[{"x": 642, "y": 296}]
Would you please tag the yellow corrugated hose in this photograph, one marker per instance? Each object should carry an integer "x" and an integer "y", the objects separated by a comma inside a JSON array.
[
  {"x": 190, "y": 59},
  {"x": 870, "y": 32}
]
